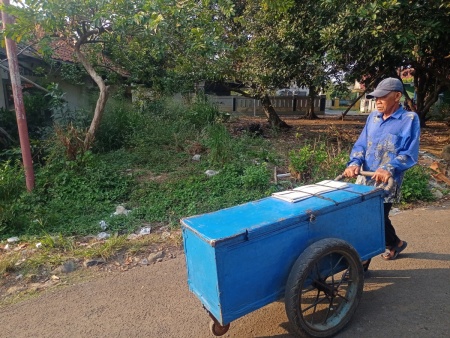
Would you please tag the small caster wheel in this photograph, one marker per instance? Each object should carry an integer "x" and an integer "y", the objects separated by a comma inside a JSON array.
[{"x": 217, "y": 329}]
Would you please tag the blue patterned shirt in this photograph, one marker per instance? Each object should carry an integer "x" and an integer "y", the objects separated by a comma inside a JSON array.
[{"x": 391, "y": 144}]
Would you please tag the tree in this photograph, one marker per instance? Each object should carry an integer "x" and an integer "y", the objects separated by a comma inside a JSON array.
[
  {"x": 79, "y": 24},
  {"x": 373, "y": 39},
  {"x": 301, "y": 54},
  {"x": 248, "y": 43}
]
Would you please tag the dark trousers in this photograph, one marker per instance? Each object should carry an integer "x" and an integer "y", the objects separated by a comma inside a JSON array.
[{"x": 390, "y": 236}]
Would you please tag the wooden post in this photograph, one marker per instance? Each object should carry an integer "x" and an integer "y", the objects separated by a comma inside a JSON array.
[{"x": 11, "y": 52}]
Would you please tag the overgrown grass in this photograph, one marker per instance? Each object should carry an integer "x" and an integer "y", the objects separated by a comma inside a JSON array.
[
  {"x": 143, "y": 160},
  {"x": 317, "y": 160}
]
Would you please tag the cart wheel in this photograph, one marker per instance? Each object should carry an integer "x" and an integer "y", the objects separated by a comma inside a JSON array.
[
  {"x": 217, "y": 329},
  {"x": 324, "y": 288}
]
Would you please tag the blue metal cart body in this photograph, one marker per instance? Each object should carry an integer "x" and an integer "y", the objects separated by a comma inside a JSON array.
[{"x": 238, "y": 259}]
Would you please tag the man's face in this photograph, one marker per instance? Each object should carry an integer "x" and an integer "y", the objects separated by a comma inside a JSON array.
[{"x": 389, "y": 103}]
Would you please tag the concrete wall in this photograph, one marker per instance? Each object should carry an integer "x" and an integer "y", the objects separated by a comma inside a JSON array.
[
  {"x": 283, "y": 105},
  {"x": 77, "y": 96}
]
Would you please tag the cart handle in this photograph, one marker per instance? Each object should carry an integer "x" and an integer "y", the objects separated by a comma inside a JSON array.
[{"x": 388, "y": 186}]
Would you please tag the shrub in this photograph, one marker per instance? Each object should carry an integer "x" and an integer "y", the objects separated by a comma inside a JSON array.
[
  {"x": 316, "y": 161},
  {"x": 415, "y": 185},
  {"x": 256, "y": 177},
  {"x": 70, "y": 197},
  {"x": 218, "y": 140},
  {"x": 201, "y": 113},
  {"x": 12, "y": 184},
  {"x": 116, "y": 127}
]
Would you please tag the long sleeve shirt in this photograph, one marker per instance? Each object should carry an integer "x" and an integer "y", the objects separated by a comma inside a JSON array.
[{"x": 391, "y": 144}]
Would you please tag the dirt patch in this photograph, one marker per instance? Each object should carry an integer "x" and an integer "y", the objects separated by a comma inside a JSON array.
[
  {"x": 159, "y": 246},
  {"x": 340, "y": 134},
  {"x": 433, "y": 137}
]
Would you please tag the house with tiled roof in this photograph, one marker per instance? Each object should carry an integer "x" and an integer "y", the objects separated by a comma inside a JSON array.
[{"x": 38, "y": 71}]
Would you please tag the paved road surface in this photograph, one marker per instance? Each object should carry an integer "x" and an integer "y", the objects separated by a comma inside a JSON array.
[{"x": 409, "y": 297}]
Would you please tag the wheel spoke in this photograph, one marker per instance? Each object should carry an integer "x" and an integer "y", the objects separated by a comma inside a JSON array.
[
  {"x": 330, "y": 304},
  {"x": 342, "y": 297},
  {"x": 337, "y": 264},
  {"x": 316, "y": 302},
  {"x": 321, "y": 300}
]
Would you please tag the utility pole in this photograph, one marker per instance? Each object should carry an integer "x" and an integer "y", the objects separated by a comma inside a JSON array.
[{"x": 14, "y": 74}]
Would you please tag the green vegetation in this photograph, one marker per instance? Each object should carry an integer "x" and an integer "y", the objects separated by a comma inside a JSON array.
[
  {"x": 317, "y": 161},
  {"x": 415, "y": 185},
  {"x": 142, "y": 160}
]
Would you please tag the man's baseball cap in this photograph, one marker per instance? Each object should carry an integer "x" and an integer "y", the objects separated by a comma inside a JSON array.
[{"x": 386, "y": 86}]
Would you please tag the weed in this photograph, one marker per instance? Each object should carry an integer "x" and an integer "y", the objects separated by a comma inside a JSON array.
[
  {"x": 316, "y": 161},
  {"x": 8, "y": 262},
  {"x": 116, "y": 127},
  {"x": 106, "y": 250},
  {"x": 148, "y": 168},
  {"x": 218, "y": 140},
  {"x": 58, "y": 242},
  {"x": 201, "y": 112},
  {"x": 256, "y": 176},
  {"x": 12, "y": 182},
  {"x": 415, "y": 185}
]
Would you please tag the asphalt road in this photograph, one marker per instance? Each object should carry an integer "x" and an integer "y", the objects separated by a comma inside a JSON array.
[{"x": 408, "y": 297}]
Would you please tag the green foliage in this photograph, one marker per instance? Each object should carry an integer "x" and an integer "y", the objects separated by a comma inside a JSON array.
[
  {"x": 391, "y": 34},
  {"x": 12, "y": 184},
  {"x": 415, "y": 185},
  {"x": 159, "y": 138},
  {"x": 218, "y": 140},
  {"x": 75, "y": 192},
  {"x": 117, "y": 125},
  {"x": 339, "y": 90},
  {"x": 73, "y": 73},
  {"x": 256, "y": 176},
  {"x": 38, "y": 113},
  {"x": 316, "y": 161},
  {"x": 70, "y": 197},
  {"x": 151, "y": 172},
  {"x": 11, "y": 179},
  {"x": 8, "y": 129},
  {"x": 201, "y": 113},
  {"x": 195, "y": 194}
]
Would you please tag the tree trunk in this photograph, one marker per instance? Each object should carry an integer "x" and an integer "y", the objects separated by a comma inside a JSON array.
[
  {"x": 102, "y": 98},
  {"x": 426, "y": 94},
  {"x": 310, "y": 114},
  {"x": 352, "y": 104},
  {"x": 272, "y": 116}
]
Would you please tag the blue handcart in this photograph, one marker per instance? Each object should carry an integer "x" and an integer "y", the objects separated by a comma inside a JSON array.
[{"x": 242, "y": 258}]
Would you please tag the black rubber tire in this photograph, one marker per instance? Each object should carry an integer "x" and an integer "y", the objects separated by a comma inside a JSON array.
[{"x": 339, "y": 282}]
